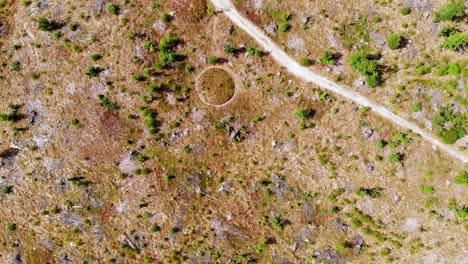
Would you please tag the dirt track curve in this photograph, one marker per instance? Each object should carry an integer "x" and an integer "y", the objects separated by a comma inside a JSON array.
[{"x": 305, "y": 74}]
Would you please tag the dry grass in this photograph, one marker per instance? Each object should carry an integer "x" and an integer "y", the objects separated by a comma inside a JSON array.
[
  {"x": 216, "y": 86},
  {"x": 204, "y": 195}
]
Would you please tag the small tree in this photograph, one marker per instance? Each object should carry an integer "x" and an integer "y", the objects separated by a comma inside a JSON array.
[{"x": 394, "y": 41}]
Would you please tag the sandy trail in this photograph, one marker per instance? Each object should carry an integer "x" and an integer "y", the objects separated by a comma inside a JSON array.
[{"x": 305, "y": 74}]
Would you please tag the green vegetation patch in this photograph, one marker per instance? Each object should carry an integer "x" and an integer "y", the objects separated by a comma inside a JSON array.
[
  {"x": 449, "y": 124},
  {"x": 453, "y": 11},
  {"x": 366, "y": 64}
]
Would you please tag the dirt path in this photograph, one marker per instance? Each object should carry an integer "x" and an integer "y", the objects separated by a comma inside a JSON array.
[{"x": 303, "y": 73}]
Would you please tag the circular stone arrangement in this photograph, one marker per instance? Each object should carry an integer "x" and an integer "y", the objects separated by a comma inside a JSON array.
[{"x": 216, "y": 86}]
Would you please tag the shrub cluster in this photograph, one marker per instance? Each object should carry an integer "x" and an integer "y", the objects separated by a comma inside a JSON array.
[
  {"x": 367, "y": 65},
  {"x": 454, "y": 11},
  {"x": 457, "y": 123}
]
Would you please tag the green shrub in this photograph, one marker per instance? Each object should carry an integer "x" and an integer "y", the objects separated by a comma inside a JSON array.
[
  {"x": 460, "y": 211},
  {"x": 283, "y": 27},
  {"x": 304, "y": 62},
  {"x": 7, "y": 117},
  {"x": 426, "y": 189},
  {"x": 455, "y": 41},
  {"x": 106, "y": 102},
  {"x": 457, "y": 121},
  {"x": 304, "y": 113},
  {"x": 371, "y": 192},
  {"x": 395, "y": 157},
  {"x": 165, "y": 17},
  {"x": 461, "y": 178},
  {"x": 93, "y": 71},
  {"x": 113, "y": 9},
  {"x": 454, "y": 11},
  {"x": 380, "y": 143},
  {"x": 374, "y": 80},
  {"x": 385, "y": 252},
  {"x": 166, "y": 57},
  {"x": 278, "y": 223},
  {"x": 95, "y": 57},
  {"x": 76, "y": 123},
  {"x": 260, "y": 246},
  {"x": 328, "y": 58},
  {"x": 285, "y": 17},
  {"x": 405, "y": 10},
  {"x": 45, "y": 24},
  {"x": 7, "y": 189},
  {"x": 376, "y": 236},
  {"x": 229, "y": 49},
  {"x": 442, "y": 70},
  {"x": 416, "y": 107},
  {"x": 366, "y": 64},
  {"x": 11, "y": 227},
  {"x": 447, "y": 31},
  {"x": 335, "y": 193},
  {"x": 212, "y": 60},
  {"x": 167, "y": 42},
  {"x": 394, "y": 41},
  {"x": 453, "y": 69},
  {"x": 15, "y": 66}
]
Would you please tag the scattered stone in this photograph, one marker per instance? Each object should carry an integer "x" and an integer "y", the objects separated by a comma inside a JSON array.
[
  {"x": 340, "y": 225},
  {"x": 378, "y": 39},
  {"x": 328, "y": 254},
  {"x": 411, "y": 225},
  {"x": 271, "y": 28},
  {"x": 367, "y": 132},
  {"x": 295, "y": 42}
]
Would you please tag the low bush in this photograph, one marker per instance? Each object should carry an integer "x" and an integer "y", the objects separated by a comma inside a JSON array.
[
  {"x": 304, "y": 113},
  {"x": 304, "y": 62},
  {"x": 426, "y": 189},
  {"x": 45, "y": 25},
  {"x": 93, "y": 71},
  {"x": 395, "y": 157},
  {"x": 405, "y": 11},
  {"x": 394, "y": 41}
]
